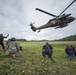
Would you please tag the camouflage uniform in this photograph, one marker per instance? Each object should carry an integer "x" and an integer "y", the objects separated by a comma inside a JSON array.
[{"x": 13, "y": 47}]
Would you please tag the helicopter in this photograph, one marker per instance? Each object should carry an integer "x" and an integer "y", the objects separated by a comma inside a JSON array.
[{"x": 60, "y": 21}]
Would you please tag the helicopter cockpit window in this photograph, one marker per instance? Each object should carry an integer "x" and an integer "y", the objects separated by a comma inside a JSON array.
[{"x": 53, "y": 22}]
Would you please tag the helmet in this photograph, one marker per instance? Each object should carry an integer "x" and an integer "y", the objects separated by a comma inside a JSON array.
[{"x": 13, "y": 39}]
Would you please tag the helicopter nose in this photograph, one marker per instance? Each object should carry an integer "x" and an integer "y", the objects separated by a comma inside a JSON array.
[{"x": 73, "y": 18}]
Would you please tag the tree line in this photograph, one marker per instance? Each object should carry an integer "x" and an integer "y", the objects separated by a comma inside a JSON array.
[{"x": 69, "y": 38}]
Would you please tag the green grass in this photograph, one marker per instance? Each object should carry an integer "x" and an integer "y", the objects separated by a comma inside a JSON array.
[{"x": 31, "y": 61}]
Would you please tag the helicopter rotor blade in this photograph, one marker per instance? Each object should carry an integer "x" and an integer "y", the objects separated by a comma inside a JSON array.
[
  {"x": 45, "y": 12},
  {"x": 32, "y": 23},
  {"x": 67, "y": 6}
]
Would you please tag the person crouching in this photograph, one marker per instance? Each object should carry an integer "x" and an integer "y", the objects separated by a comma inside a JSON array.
[
  {"x": 12, "y": 48},
  {"x": 47, "y": 50},
  {"x": 70, "y": 51}
]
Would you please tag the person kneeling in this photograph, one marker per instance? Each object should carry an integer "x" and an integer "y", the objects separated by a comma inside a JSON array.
[{"x": 12, "y": 48}]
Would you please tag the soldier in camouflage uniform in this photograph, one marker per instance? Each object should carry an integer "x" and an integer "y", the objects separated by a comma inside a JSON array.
[{"x": 13, "y": 47}]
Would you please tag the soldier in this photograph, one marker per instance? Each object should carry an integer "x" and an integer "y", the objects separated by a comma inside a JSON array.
[
  {"x": 2, "y": 39},
  {"x": 47, "y": 50},
  {"x": 13, "y": 48}
]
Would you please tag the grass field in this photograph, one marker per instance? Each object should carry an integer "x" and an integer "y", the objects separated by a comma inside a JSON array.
[{"x": 31, "y": 61}]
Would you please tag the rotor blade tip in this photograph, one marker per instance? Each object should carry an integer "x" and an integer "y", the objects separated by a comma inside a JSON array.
[{"x": 36, "y": 8}]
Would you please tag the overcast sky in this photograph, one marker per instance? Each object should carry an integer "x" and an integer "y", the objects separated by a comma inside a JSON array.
[{"x": 15, "y": 17}]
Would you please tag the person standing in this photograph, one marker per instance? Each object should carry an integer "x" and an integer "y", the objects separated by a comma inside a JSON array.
[{"x": 2, "y": 39}]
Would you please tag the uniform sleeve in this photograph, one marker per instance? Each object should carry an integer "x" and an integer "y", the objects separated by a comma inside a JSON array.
[
  {"x": 66, "y": 50},
  {"x": 43, "y": 47},
  {"x": 18, "y": 46},
  {"x": 51, "y": 48}
]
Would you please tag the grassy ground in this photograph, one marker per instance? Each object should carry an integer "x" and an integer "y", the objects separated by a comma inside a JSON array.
[{"x": 31, "y": 61}]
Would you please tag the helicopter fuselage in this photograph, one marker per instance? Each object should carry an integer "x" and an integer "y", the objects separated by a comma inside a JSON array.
[{"x": 60, "y": 23}]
